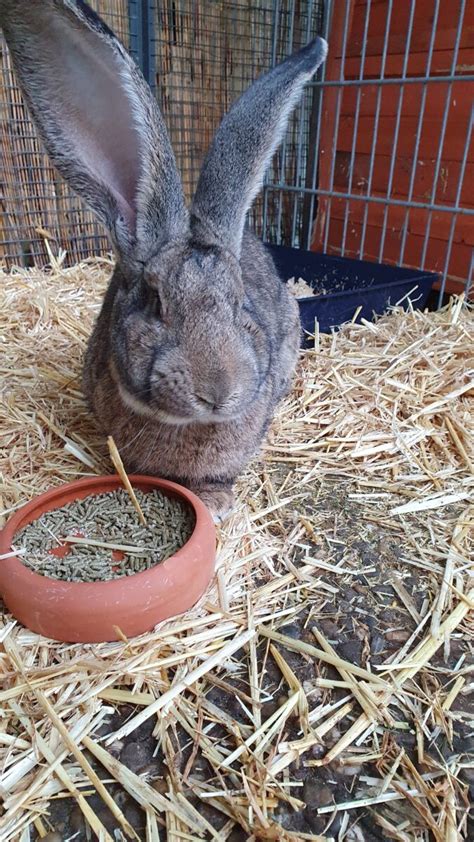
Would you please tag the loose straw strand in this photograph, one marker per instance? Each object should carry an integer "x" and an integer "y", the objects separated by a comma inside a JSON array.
[{"x": 118, "y": 465}]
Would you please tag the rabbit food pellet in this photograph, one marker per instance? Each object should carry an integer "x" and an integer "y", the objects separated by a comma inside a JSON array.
[{"x": 105, "y": 519}]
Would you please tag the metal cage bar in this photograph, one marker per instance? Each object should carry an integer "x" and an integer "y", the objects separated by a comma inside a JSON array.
[
  {"x": 337, "y": 118},
  {"x": 441, "y": 143},
  {"x": 396, "y": 133},
  {"x": 420, "y": 125},
  {"x": 356, "y": 123},
  {"x": 457, "y": 209},
  {"x": 141, "y": 14},
  {"x": 376, "y": 126}
]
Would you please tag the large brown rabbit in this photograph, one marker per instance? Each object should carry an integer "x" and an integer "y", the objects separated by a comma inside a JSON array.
[{"x": 198, "y": 337}]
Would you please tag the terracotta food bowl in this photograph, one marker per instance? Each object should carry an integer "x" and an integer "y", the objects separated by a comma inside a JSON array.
[{"x": 94, "y": 612}]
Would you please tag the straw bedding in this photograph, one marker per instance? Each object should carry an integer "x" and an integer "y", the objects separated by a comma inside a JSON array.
[{"x": 320, "y": 688}]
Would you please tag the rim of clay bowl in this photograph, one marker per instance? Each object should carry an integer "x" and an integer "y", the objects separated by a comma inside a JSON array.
[{"x": 94, "y": 612}]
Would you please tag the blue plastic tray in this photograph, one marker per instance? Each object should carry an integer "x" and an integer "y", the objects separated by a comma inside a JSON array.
[{"x": 345, "y": 284}]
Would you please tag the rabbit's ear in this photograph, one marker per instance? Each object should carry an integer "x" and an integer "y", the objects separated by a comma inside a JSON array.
[
  {"x": 98, "y": 120},
  {"x": 249, "y": 134}
]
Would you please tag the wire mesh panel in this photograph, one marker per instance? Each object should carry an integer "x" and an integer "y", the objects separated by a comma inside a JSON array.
[
  {"x": 198, "y": 56},
  {"x": 35, "y": 203},
  {"x": 396, "y": 147},
  {"x": 206, "y": 54}
]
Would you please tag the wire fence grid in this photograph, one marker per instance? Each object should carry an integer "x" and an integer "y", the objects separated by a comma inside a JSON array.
[
  {"x": 378, "y": 160},
  {"x": 395, "y": 137}
]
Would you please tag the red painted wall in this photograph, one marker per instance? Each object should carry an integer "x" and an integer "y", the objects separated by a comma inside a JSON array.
[{"x": 337, "y": 139}]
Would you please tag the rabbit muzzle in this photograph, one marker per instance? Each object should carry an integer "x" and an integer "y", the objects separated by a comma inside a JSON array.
[{"x": 184, "y": 387}]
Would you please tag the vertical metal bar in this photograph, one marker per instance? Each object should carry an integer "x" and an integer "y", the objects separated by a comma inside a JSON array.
[
  {"x": 454, "y": 215},
  {"x": 284, "y": 144},
  {"x": 356, "y": 127},
  {"x": 470, "y": 275},
  {"x": 328, "y": 8},
  {"x": 135, "y": 46},
  {"x": 276, "y": 15},
  {"x": 302, "y": 111},
  {"x": 414, "y": 166},
  {"x": 336, "y": 122},
  {"x": 151, "y": 44},
  {"x": 141, "y": 25},
  {"x": 397, "y": 129},
  {"x": 311, "y": 154},
  {"x": 439, "y": 156},
  {"x": 376, "y": 129}
]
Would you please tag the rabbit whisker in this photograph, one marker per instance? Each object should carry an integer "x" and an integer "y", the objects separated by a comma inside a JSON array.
[{"x": 134, "y": 439}]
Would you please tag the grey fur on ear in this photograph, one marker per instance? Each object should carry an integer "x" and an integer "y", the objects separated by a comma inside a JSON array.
[
  {"x": 233, "y": 171},
  {"x": 98, "y": 120}
]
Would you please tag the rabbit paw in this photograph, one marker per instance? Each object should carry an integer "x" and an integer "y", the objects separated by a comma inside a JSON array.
[{"x": 219, "y": 502}]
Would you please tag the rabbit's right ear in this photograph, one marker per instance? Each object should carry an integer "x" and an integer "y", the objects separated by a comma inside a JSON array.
[
  {"x": 232, "y": 173},
  {"x": 98, "y": 120}
]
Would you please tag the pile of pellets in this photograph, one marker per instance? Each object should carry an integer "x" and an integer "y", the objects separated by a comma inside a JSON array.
[{"x": 109, "y": 518}]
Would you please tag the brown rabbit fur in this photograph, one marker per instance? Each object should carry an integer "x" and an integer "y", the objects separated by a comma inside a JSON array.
[
  {"x": 199, "y": 356},
  {"x": 198, "y": 337}
]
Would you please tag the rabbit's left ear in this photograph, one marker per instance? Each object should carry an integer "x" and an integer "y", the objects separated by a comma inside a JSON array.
[
  {"x": 249, "y": 134},
  {"x": 98, "y": 120}
]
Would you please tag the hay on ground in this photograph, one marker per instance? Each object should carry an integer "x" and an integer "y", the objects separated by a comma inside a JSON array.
[{"x": 380, "y": 417}]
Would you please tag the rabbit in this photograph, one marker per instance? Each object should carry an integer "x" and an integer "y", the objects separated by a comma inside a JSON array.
[{"x": 198, "y": 337}]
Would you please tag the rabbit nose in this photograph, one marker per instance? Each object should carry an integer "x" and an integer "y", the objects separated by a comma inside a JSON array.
[
  {"x": 215, "y": 393},
  {"x": 207, "y": 403}
]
